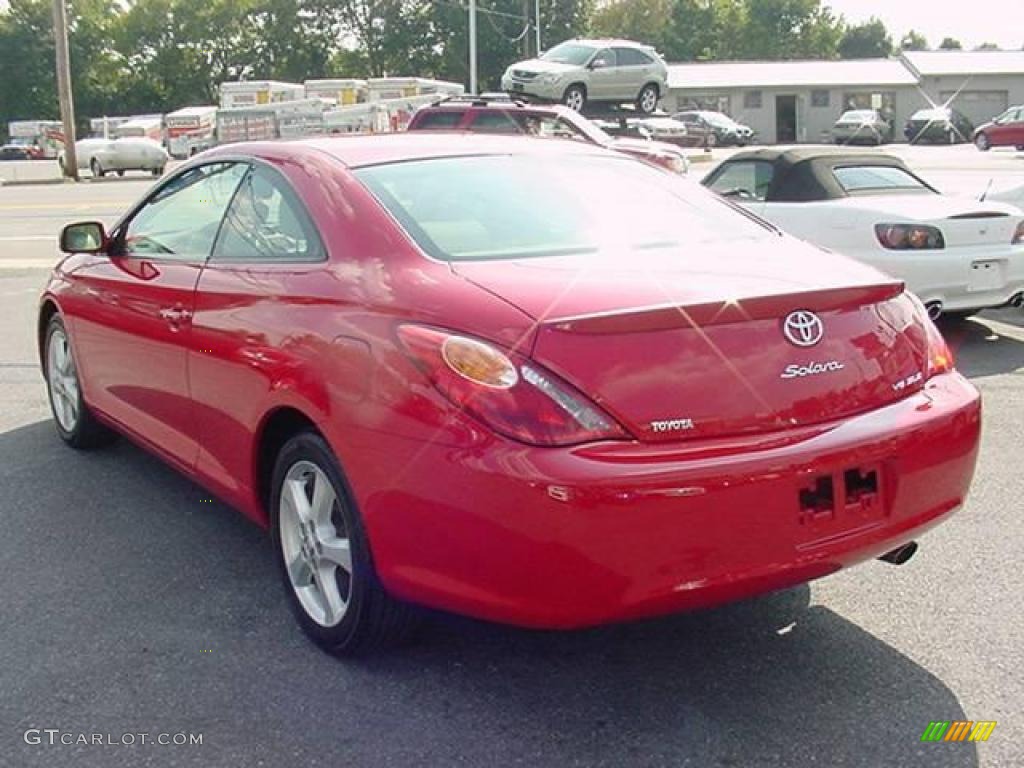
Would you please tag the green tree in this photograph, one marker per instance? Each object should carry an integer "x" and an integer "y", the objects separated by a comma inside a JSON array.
[
  {"x": 706, "y": 29},
  {"x": 790, "y": 29},
  {"x": 914, "y": 41},
  {"x": 643, "y": 20},
  {"x": 950, "y": 44},
  {"x": 987, "y": 47},
  {"x": 869, "y": 40}
]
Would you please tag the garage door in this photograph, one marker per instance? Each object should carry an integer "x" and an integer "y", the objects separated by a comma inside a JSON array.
[{"x": 978, "y": 106}]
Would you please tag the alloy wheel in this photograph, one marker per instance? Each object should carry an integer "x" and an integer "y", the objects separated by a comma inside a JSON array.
[
  {"x": 63, "y": 381},
  {"x": 574, "y": 98},
  {"x": 648, "y": 99},
  {"x": 315, "y": 544}
]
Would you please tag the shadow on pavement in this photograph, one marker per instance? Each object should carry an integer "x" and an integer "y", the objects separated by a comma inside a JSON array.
[
  {"x": 980, "y": 349},
  {"x": 133, "y": 603}
]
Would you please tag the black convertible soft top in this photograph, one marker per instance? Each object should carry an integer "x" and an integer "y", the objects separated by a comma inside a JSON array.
[{"x": 804, "y": 174}]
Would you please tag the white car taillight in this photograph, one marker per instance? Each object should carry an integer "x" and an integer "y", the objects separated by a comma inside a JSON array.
[{"x": 909, "y": 237}]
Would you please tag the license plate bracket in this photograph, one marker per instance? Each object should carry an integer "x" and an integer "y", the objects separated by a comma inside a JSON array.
[{"x": 985, "y": 275}]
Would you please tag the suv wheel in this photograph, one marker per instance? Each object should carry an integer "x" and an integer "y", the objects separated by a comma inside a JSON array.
[
  {"x": 647, "y": 101},
  {"x": 575, "y": 97}
]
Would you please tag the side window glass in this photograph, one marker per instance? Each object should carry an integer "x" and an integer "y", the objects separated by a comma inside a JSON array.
[
  {"x": 181, "y": 220},
  {"x": 444, "y": 120},
  {"x": 267, "y": 222},
  {"x": 744, "y": 180},
  {"x": 494, "y": 122},
  {"x": 607, "y": 56}
]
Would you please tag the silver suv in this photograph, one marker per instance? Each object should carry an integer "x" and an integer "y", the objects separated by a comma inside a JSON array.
[{"x": 578, "y": 71}]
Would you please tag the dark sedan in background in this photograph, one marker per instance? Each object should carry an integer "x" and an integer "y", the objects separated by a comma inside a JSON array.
[
  {"x": 940, "y": 125},
  {"x": 719, "y": 129}
]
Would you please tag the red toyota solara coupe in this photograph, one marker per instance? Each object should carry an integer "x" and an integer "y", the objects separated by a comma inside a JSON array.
[{"x": 530, "y": 381}]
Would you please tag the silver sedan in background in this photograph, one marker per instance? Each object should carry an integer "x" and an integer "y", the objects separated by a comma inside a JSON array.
[{"x": 103, "y": 156}]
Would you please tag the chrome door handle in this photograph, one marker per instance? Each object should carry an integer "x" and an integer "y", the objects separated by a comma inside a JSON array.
[{"x": 175, "y": 315}]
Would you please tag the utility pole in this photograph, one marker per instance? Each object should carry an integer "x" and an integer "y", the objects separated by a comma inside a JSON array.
[
  {"x": 536, "y": 24},
  {"x": 472, "y": 46},
  {"x": 67, "y": 105},
  {"x": 525, "y": 5}
]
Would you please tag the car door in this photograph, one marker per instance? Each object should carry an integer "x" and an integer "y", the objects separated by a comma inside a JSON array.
[
  {"x": 1010, "y": 128},
  {"x": 635, "y": 70},
  {"x": 604, "y": 74},
  {"x": 133, "y": 327},
  {"x": 258, "y": 317}
]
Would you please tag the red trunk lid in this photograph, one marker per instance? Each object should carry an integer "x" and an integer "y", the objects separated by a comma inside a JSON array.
[{"x": 679, "y": 348}]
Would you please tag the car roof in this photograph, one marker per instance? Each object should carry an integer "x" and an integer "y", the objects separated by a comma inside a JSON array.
[
  {"x": 606, "y": 41},
  {"x": 804, "y": 174},
  {"x": 361, "y": 150}
]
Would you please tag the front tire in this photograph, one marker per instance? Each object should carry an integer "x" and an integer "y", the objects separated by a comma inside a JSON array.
[
  {"x": 75, "y": 423},
  {"x": 96, "y": 168},
  {"x": 324, "y": 556},
  {"x": 647, "y": 99},
  {"x": 575, "y": 97},
  {"x": 982, "y": 142}
]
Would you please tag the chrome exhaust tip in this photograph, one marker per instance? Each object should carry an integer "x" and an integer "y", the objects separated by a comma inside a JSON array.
[
  {"x": 900, "y": 555},
  {"x": 934, "y": 309}
]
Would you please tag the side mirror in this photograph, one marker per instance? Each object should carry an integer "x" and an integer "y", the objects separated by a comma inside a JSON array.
[
  {"x": 599, "y": 64},
  {"x": 83, "y": 237}
]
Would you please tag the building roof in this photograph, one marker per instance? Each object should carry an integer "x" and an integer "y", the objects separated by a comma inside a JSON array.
[
  {"x": 936, "y": 63},
  {"x": 788, "y": 74}
]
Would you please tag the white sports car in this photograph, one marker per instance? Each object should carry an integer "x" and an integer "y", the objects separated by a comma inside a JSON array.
[
  {"x": 103, "y": 156},
  {"x": 959, "y": 255}
]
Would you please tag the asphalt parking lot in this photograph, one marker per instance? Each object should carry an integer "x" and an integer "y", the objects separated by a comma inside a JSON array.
[{"x": 133, "y": 603}]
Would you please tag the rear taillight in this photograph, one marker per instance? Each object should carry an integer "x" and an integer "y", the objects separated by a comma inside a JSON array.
[
  {"x": 909, "y": 237},
  {"x": 1018, "y": 234},
  {"x": 508, "y": 392},
  {"x": 940, "y": 359}
]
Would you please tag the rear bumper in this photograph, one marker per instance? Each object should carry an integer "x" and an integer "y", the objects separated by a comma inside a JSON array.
[
  {"x": 581, "y": 536},
  {"x": 959, "y": 278}
]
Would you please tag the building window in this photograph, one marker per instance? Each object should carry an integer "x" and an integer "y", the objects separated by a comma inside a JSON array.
[
  {"x": 712, "y": 102},
  {"x": 820, "y": 98},
  {"x": 752, "y": 100},
  {"x": 881, "y": 101}
]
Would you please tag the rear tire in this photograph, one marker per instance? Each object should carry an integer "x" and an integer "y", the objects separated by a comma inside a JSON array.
[
  {"x": 575, "y": 97},
  {"x": 324, "y": 557},
  {"x": 647, "y": 99},
  {"x": 75, "y": 423},
  {"x": 982, "y": 143}
]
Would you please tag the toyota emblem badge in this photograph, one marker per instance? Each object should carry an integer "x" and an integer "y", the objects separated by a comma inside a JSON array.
[{"x": 803, "y": 328}]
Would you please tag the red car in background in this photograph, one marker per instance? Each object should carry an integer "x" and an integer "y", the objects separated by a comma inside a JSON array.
[
  {"x": 502, "y": 115},
  {"x": 530, "y": 381},
  {"x": 1007, "y": 130}
]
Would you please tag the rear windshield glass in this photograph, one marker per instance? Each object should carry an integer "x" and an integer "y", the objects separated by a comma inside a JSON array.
[
  {"x": 507, "y": 207},
  {"x": 874, "y": 178}
]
